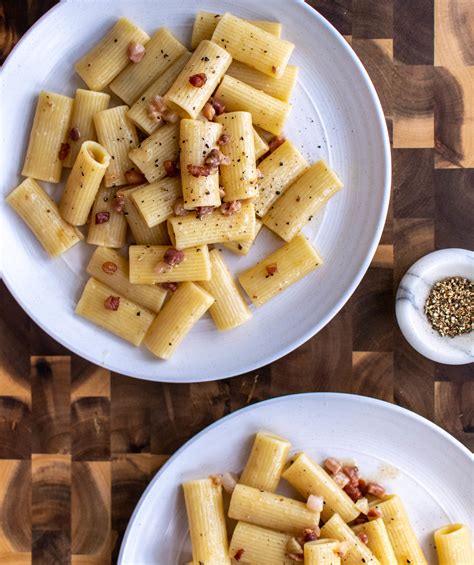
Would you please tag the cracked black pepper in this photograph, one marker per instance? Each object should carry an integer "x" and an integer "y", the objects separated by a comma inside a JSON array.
[{"x": 450, "y": 306}]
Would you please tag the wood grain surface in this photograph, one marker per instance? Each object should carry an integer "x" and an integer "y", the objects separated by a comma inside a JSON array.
[{"x": 78, "y": 444}]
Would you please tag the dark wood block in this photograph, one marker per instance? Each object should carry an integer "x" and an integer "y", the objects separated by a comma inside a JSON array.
[
  {"x": 15, "y": 428},
  {"x": 413, "y": 31},
  {"x": 454, "y": 410},
  {"x": 90, "y": 429},
  {"x": 372, "y": 312},
  {"x": 91, "y": 504},
  {"x": 372, "y": 374},
  {"x": 338, "y": 12},
  {"x": 372, "y": 19},
  {"x": 51, "y": 410},
  {"x": 51, "y": 547},
  {"x": 454, "y": 196},
  {"x": 413, "y": 238},
  {"x": 15, "y": 505},
  {"x": 413, "y": 183}
]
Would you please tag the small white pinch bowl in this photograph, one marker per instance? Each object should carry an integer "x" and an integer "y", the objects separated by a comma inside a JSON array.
[{"x": 410, "y": 302}]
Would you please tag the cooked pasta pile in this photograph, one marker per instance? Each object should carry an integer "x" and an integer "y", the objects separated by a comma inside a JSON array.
[
  {"x": 192, "y": 156},
  {"x": 339, "y": 518}
]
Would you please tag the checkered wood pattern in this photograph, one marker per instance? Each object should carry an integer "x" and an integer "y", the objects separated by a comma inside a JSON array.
[{"x": 78, "y": 444}]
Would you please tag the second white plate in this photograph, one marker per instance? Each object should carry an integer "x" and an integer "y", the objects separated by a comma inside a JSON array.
[{"x": 410, "y": 456}]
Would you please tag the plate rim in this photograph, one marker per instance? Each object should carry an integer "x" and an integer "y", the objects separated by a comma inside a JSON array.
[
  {"x": 330, "y": 396},
  {"x": 223, "y": 373}
]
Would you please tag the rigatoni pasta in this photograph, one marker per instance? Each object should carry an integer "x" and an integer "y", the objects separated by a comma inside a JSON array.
[
  {"x": 142, "y": 234},
  {"x": 107, "y": 227},
  {"x": 281, "y": 88},
  {"x": 307, "y": 477},
  {"x": 139, "y": 113},
  {"x": 83, "y": 183},
  {"x": 322, "y": 552},
  {"x": 252, "y": 45},
  {"x": 377, "y": 540},
  {"x": 229, "y": 309},
  {"x": 268, "y": 112},
  {"x": 261, "y": 146},
  {"x": 46, "y": 146},
  {"x": 254, "y": 544},
  {"x": 239, "y": 177},
  {"x": 271, "y": 510},
  {"x": 82, "y": 128},
  {"x": 205, "y": 509},
  {"x": 188, "y": 231},
  {"x": 279, "y": 171},
  {"x": 176, "y": 319},
  {"x": 111, "y": 311},
  {"x": 453, "y": 545},
  {"x": 356, "y": 552},
  {"x": 196, "y": 141},
  {"x": 205, "y": 23},
  {"x": 155, "y": 201},
  {"x": 300, "y": 202},
  {"x": 40, "y": 213},
  {"x": 198, "y": 79},
  {"x": 279, "y": 270},
  {"x": 151, "y": 155},
  {"x": 119, "y": 136},
  {"x": 161, "y": 51},
  {"x": 110, "y": 56},
  {"x": 243, "y": 247},
  {"x": 148, "y": 266},
  {"x": 266, "y": 461},
  {"x": 109, "y": 267}
]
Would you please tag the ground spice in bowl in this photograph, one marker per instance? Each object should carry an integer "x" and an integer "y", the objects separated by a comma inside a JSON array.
[{"x": 450, "y": 306}]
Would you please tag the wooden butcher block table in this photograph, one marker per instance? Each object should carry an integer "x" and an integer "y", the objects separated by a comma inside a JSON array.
[{"x": 78, "y": 444}]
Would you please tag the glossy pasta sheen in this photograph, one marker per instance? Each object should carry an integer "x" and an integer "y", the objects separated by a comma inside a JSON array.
[
  {"x": 260, "y": 545},
  {"x": 155, "y": 201}
]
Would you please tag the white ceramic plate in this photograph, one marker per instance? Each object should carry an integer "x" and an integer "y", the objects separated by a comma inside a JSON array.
[
  {"x": 411, "y": 456},
  {"x": 336, "y": 115}
]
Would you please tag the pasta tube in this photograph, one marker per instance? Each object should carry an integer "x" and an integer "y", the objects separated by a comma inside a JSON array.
[
  {"x": 110, "y": 268},
  {"x": 189, "y": 231},
  {"x": 205, "y": 509},
  {"x": 300, "y": 202},
  {"x": 307, "y": 477},
  {"x": 266, "y": 461},
  {"x": 239, "y": 178},
  {"x": 261, "y": 146},
  {"x": 139, "y": 112},
  {"x": 280, "y": 170},
  {"x": 229, "y": 309},
  {"x": 243, "y": 247},
  {"x": 453, "y": 545},
  {"x": 86, "y": 104},
  {"x": 40, "y": 213},
  {"x": 176, "y": 319},
  {"x": 141, "y": 233},
  {"x": 322, "y": 552},
  {"x": 208, "y": 60},
  {"x": 144, "y": 260},
  {"x": 83, "y": 183},
  {"x": 281, "y": 88},
  {"x": 205, "y": 23},
  {"x": 267, "y": 112},
  {"x": 107, "y": 228},
  {"x": 161, "y": 52},
  {"x": 400, "y": 532},
  {"x": 253, "y": 46},
  {"x": 118, "y": 135},
  {"x": 357, "y": 551},
  {"x": 46, "y": 151},
  {"x": 155, "y": 201},
  {"x": 377, "y": 540},
  {"x": 196, "y": 140},
  {"x": 259, "y": 545},
  {"x": 271, "y": 510},
  {"x": 150, "y": 155},
  {"x": 279, "y": 270},
  {"x": 110, "y": 56},
  {"x": 113, "y": 312}
]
